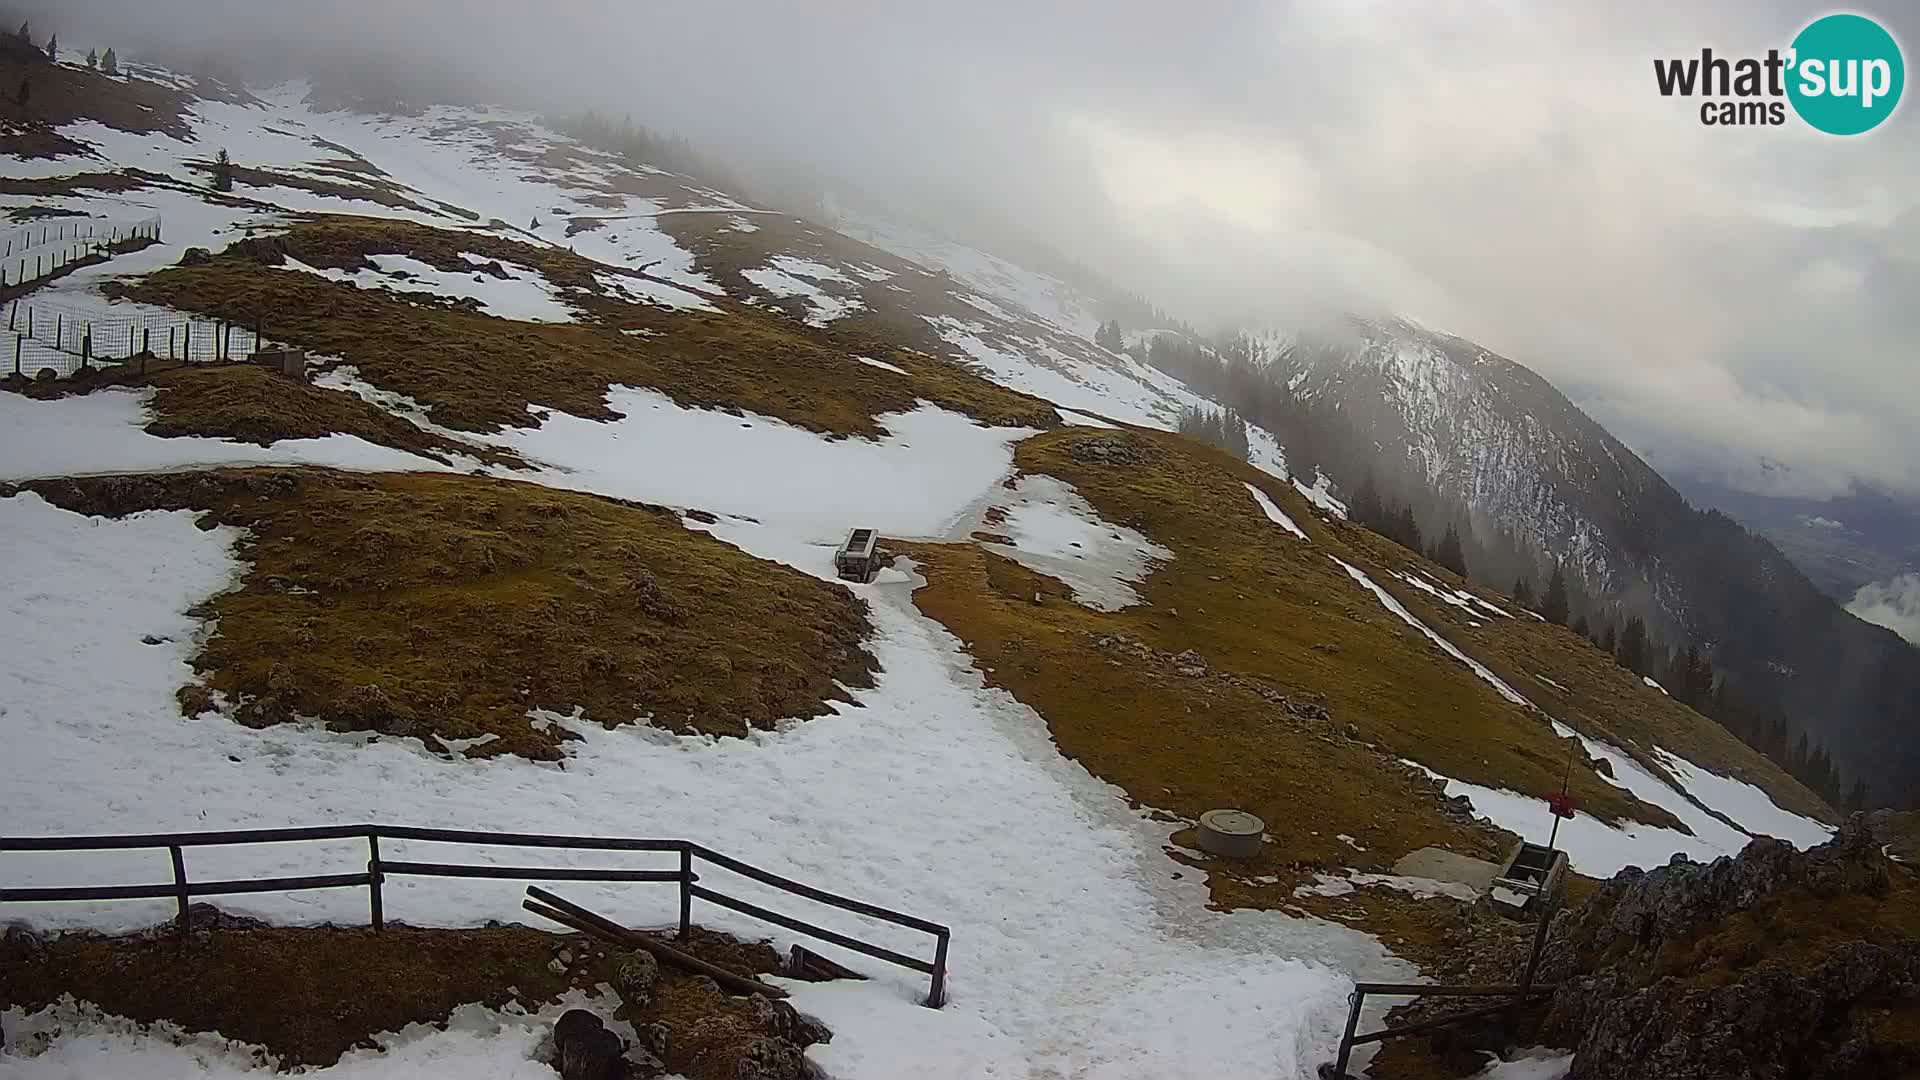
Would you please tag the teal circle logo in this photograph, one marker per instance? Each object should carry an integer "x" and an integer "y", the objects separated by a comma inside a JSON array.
[{"x": 1846, "y": 75}]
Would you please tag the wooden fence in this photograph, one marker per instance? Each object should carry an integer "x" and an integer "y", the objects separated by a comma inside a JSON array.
[{"x": 182, "y": 889}]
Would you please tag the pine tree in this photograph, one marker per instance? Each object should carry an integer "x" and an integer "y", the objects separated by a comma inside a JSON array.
[
  {"x": 1523, "y": 592},
  {"x": 1857, "y": 797},
  {"x": 1408, "y": 529},
  {"x": 1449, "y": 553},
  {"x": 93, "y": 60},
  {"x": 1632, "y": 653},
  {"x": 1580, "y": 625},
  {"x": 1609, "y": 639},
  {"x": 1554, "y": 606},
  {"x": 222, "y": 166},
  {"x": 53, "y": 47},
  {"x": 26, "y": 31},
  {"x": 110, "y": 63},
  {"x": 1366, "y": 507}
]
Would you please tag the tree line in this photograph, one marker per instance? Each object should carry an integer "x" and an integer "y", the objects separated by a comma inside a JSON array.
[{"x": 1396, "y": 501}]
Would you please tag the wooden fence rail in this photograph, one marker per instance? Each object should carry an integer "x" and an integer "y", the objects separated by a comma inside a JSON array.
[{"x": 182, "y": 889}]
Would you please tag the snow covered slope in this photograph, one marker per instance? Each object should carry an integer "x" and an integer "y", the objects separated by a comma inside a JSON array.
[{"x": 1086, "y": 945}]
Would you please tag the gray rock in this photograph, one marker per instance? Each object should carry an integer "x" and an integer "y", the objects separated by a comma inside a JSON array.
[
  {"x": 1814, "y": 1017},
  {"x": 583, "y": 1048},
  {"x": 635, "y": 978}
]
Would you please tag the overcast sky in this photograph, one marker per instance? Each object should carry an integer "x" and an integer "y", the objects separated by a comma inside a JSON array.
[{"x": 1505, "y": 171}]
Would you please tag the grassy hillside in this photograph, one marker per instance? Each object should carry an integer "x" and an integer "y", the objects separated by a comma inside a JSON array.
[
  {"x": 480, "y": 373},
  {"x": 449, "y": 606}
]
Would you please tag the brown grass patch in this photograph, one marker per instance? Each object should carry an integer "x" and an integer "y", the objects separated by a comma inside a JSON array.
[
  {"x": 1600, "y": 698},
  {"x": 370, "y": 186},
  {"x": 248, "y": 403},
  {"x": 310, "y": 994},
  {"x": 429, "y": 605},
  {"x": 480, "y": 373},
  {"x": 70, "y": 185},
  {"x": 1254, "y": 601},
  {"x": 251, "y": 404},
  {"x": 1176, "y": 743},
  {"x": 62, "y": 95}
]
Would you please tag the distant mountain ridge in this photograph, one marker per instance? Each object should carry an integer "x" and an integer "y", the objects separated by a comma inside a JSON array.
[{"x": 1483, "y": 429}]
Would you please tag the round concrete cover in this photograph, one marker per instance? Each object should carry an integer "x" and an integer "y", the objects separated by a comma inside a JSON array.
[{"x": 1233, "y": 822}]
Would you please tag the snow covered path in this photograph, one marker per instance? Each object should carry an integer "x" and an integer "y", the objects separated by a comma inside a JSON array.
[{"x": 1076, "y": 951}]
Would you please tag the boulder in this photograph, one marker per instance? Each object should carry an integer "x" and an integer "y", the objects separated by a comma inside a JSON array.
[
  {"x": 635, "y": 978},
  {"x": 1664, "y": 972},
  {"x": 583, "y": 1048}
]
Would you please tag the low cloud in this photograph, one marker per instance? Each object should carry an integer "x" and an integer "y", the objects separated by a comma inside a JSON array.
[
  {"x": 1893, "y": 604},
  {"x": 1506, "y": 171}
]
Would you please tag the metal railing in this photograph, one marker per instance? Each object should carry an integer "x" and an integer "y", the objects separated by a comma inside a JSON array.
[
  {"x": 182, "y": 889},
  {"x": 1515, "y": 996}
]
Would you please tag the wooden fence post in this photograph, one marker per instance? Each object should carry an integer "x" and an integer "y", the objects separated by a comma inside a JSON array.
[{"x": 180, "y": 884}]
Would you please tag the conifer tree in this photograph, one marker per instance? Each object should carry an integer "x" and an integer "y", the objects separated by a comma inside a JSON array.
[
  {"x": 1449, "y": 553},
  {"x": 1554, "y": 606},
  {"x": 1632, "y": 652},
  {"x": 110, "y": 63}
]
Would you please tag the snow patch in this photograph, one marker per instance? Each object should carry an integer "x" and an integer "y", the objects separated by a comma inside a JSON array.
[
  {"x": 524, "y": 294},
  {"x": 1060, "y": 534},
  {"x": 1446, "y": 646},
  {"x": 102, "y": 432},
  {"x": 1274, "y": 513}
]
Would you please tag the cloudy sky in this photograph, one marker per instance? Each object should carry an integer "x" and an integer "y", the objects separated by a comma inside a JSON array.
[{"x": 1506, "y": 171}]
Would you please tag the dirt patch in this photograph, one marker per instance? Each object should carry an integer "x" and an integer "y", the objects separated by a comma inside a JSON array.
[
  {"x": 480, "y": 373},
  {"x": 310, "y": 994},
  {"x": 445, "y": 605}
]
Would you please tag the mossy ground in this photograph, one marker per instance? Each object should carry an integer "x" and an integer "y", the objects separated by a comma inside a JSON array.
[
  {"x": 310, "y": 994},
  {"x": 446, "y": 605},
  {"x": 479, "y": 373}
]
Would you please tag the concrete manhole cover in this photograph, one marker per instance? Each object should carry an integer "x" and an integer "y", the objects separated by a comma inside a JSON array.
[{"x": 1233, "y": 833}]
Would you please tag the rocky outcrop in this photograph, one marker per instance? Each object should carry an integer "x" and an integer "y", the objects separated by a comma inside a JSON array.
[{"x": 1742, "y": 968}]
